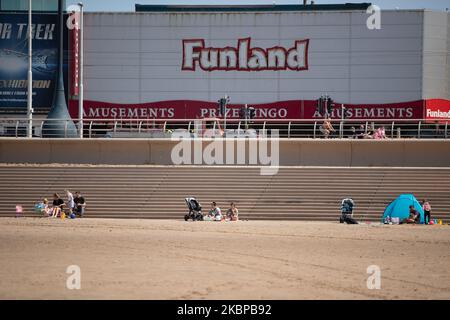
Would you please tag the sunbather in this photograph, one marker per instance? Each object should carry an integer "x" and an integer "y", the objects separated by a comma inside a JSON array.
[
  {"x": 58, "y": 205},
  {"x": 214, "y": 213},
  {"x": 414, "y": 216},
  {"x": 232, "y": 213}
]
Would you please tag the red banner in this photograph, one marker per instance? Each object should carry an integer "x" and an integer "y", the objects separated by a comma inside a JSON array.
[{"x": 292, "y": 109}]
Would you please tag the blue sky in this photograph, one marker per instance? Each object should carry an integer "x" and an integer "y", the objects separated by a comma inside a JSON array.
[{"x": 128, "y": 5}]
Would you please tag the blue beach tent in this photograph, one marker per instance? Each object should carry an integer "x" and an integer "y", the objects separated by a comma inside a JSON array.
[{"x": 400, "y": 207}]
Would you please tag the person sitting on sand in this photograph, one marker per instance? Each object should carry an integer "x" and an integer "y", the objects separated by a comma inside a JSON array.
[
  {"x": 215, "y": 213},
  {"x": 58, "y": 205},
  {"x": 45, "y": 210},
  {"x": 414, "y": 216},
  {"x": 80, "y": 204},
  {"x": 347, "y": 205},
  {"x": 233, "y": 213},
  {"x": 427, "y": 211}
]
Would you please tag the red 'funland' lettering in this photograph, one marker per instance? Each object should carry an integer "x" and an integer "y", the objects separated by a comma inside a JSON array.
[{"x": 244, "y": 57}]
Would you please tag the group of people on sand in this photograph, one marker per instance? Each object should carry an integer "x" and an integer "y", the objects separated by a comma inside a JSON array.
[
  {"x": 414, "y": 216},
  {"x": 327, "y": 130},
  {"x": 73, "y": 206},
  {"x": 215, "y": 213}
]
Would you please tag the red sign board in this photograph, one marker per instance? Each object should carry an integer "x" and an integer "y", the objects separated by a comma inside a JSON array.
[
  {"x": 437, "y": 110},
  {"x": 292, "y": 109}
]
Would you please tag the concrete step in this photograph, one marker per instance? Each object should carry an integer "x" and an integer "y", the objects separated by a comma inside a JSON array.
[{"x": 158, "y": 191}]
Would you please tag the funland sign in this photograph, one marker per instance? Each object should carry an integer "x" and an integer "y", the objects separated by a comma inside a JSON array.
[
  {"x": 244, "y": 57},
  {"x": 437, "y": 110}
]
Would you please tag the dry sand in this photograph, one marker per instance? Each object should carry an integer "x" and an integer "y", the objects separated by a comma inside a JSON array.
[{"x": 148, "y": 259}]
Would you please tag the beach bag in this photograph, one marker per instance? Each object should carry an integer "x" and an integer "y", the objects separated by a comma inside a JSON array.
[{"x": 39, "y": 207}]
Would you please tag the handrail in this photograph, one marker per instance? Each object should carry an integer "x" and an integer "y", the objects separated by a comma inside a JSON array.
[{"x": 298, "y": 128}]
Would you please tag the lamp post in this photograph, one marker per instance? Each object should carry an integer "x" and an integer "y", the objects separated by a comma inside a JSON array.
[
  {"x": 80, "y": 72},
  {"x": 58, "y": 123},
  {"x": 227, "y": 100},
  {"x": 30, "y": 76}
]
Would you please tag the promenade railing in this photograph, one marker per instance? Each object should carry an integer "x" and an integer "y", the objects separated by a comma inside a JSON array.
[{"x": 165, "y": 128}]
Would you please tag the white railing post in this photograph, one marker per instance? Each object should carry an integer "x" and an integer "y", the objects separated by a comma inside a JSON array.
[
  {"x": 392, "y": 130},
  {"x": 17, "y": 129},
  {"x": 90, "y": 129},
  {"x": 42, "y": 126},
  {"x": 315, "y": 128},
  {"x": 446, "y": 127},
  {"x": 418, "y": 129}
]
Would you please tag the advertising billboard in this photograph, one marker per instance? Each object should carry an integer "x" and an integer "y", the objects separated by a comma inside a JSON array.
[
  {"x": 14, "y": 60},
  {"x": 437, "y": 110},
  {"x": 292, "y": 109}
]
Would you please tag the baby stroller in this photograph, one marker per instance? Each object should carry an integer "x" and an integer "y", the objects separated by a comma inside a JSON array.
[
  {"x": 195, "y": 210},
  {"x": 347, "y": 205}
]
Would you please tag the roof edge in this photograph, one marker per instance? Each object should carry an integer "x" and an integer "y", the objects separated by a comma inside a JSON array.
[{"x": 250, "y": 8}]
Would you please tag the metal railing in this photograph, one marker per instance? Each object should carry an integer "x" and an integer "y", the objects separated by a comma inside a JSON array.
[{"x": 164, "y": 128}]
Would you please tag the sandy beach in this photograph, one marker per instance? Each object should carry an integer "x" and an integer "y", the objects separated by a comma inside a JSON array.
[{"x": 170, "y": 259}]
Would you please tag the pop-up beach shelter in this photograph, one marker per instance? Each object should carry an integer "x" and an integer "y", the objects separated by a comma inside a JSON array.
[{"x": 400, "y": 207}]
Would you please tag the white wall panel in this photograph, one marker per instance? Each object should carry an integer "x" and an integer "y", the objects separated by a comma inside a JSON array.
[
  {"x": 435, "y": 62},
  {"x": 138, "y": 56},
  {"x": 116, "y": 96},
  {"x": 174, "y": 84},
  {"x": 108, "y": 84}
]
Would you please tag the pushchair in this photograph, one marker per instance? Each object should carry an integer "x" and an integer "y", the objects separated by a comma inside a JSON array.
[
  {"x": 347, "y": 205},
  {"x": 195, "y": 210}
]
